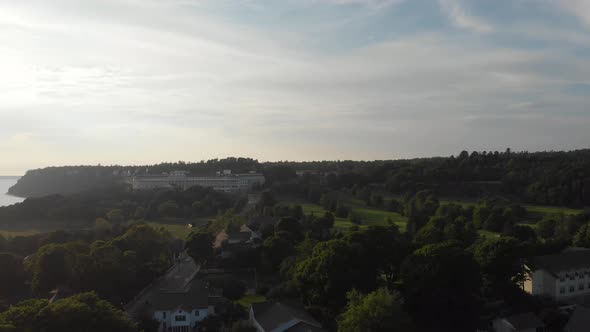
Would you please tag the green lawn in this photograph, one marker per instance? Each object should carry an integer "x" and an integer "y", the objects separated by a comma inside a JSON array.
[
  {"x": 178, "y": 231},
  {"x": 533, "y": 209},
  {"x": 247, "y": 300},
  {"x": 488, "y": 234},
  {"x": 545, "y": 210},
  {"x": 369, "y": 216}
]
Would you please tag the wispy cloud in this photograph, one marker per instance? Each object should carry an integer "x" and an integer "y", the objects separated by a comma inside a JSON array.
[
  {"x": 578, "y": 8},
  {"x": 461, "y": 19},
  {"x": 145, "y": 83}
]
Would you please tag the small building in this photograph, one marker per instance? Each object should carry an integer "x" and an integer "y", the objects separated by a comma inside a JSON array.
[
  {"x": 282, "y": 317},
  {"x": 527, "y": 322},
  {"x": 579, "y": 320},
  {"x": 561, "y": 276},
  {"x": 60, "y": 292}
]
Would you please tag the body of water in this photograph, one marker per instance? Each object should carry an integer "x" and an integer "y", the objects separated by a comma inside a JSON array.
[{"x": 5, "y": 183}]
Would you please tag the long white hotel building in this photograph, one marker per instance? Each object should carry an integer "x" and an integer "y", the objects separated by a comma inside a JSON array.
[{"x": 225, "y": 181}]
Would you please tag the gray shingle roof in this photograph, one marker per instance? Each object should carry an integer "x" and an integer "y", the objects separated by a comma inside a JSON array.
[
  {"x": 196, "y": 297},
  {"x": 565, "y": 261},
  {"x": 271, "y": 315},
  {"x": 525, "y": 321}
]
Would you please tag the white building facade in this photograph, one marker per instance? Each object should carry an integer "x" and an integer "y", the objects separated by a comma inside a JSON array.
[
  {"x": 180, "y": 320},
  {"x": 223, "y": 182}
]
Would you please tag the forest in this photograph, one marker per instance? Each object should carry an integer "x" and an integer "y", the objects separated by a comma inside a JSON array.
[{"x": 424, "y": 245}]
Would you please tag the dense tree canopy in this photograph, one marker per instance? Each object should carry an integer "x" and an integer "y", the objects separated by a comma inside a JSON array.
[
  {"x": 441, "y": 287},
  {"x": 378, "y": 311},
  {"x": 83, "y": 312}
]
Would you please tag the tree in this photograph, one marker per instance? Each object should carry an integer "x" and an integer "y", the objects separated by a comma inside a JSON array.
[
  {"x": 289, "y": 228},
  {"x": 378, "y": 311},
  {"x": 500, "y": 261},
  {"x": 582, "y": 237},
  {"x": 199, "y": 245},
  {"x": 385, "y": 249},
  {"x": 11, "y": 274},
  {"x": 276, "y": 249},
  {"x": 116, "y": 216},
  {"x": 546, "y": 228},
  {"x": 22, "y": 316},
  {"x": 151, "y": 249},
  {"x": 419, "y": 209},
  {"x": 168, "y": 209},
  {"x": 53, "y": 265},
  {"x": 334, "y": 268},
  {"x": 84, "y": 311},
  {"x": 441, "y": 285}
]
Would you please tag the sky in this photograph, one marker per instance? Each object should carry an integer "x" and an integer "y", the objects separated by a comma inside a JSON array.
[{"x": 148, "y": 81}]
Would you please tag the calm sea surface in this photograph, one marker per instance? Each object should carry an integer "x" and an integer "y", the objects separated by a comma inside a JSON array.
[{"x": 5, "y": 183}]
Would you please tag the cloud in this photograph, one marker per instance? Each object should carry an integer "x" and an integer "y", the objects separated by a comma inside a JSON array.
[
  {"x": 139, "y": 84},
  {"x": 370, "y": 3},
  {"x": 463, "y": 20},
  {"x": 578, "y": 8}
]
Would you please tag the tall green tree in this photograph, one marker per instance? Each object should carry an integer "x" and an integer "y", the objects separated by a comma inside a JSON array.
[
  {"x": 334, "y": 268},
  {"x": 500, "y": 261},
  {"x": 199, "y": 245},
  {"x": 379, "y": 311},
  {"x": 441, "y": 286}
]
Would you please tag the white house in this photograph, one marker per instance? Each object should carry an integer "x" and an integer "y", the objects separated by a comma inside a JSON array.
[
  {"x": 181, "y": 311},
  {"x": 527, "y": 322},
  {"x": 282, "y": 317},
  {"x": 561, "y": 276}
]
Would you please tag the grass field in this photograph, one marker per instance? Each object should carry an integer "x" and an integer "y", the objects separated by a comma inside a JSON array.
[
  {"x": 548, "y": 210},
  {"x": 533, "y": 209},
  {"x": 369, "y": 216},
  {"x": 178, "y": 231},
  {"x": 247, "y": 300},
  {"x": 488, "y": 234}
]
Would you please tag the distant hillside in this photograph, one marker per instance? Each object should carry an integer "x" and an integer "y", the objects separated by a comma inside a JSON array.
[
  {"x": 64, "y": 180},
  {"x": 74, "y": 179},
  {"x": 545, "y": 178}
]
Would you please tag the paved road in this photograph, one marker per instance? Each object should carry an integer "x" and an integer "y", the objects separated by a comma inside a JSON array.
[{"x": 175, "y": 280}]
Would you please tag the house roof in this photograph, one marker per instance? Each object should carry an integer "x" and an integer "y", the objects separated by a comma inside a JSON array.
[
  {"x": 60, "y": 292},
  {"x": 271, "y": 315},
  {"x": 304, "y": 327},
  {"x": 579, "y": 320},
  {"x": 239, "y": 236},
  {"x": 525, "y": 321},
  {"x": 196, "y": 297},
  {"x": 564, "y": 261},
  {"x": 223, "y": 237},
  {"x": 262, "y": 221}
]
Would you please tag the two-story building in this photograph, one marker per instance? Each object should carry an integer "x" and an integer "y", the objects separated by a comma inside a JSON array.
[
  {"x": 561, "y": 276},
  {"x": 181, "y": 311}
]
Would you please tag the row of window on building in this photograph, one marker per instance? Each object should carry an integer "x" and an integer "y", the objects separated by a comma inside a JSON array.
[
  {"x": 573, "y": 276},
  {"x": 572, "y": 288}
]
